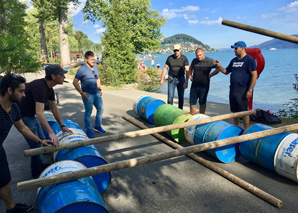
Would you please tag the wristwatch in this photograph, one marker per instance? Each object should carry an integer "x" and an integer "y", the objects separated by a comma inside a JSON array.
[{"x": 250, "y": 90}]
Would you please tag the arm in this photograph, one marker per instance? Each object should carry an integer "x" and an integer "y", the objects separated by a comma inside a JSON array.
[
  {"x": 190, "y": 72},
  {"x": 215, "y": 72},
  {"x": 254, "y": 76},
  {"x": 39, "y": 108},
  {"x": 99, "y": 86},
  {"x": 163, "y": 74},
  {"x": 78, "y": 88},
  {"x": 186, "y": 78},
  {"x": 24, "y": 130},
  {"x": 221, "y": 69}
]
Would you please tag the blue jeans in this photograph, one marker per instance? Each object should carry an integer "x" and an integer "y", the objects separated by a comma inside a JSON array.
[
  {"x": 172, "y": 83},
  {"x": 96, "y": 100},
  {"x": 36, "y": 161}
]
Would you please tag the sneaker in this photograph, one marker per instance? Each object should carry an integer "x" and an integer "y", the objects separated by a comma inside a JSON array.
[
  {"x": 99, "y": 129},
  {"x": 90, "y": 134},
  {"x": 20, "y": 207}
]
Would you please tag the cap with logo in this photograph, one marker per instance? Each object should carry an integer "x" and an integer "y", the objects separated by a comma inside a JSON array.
[
  {"x": 177, "y": 47},
  {"x": 54, "y": 69},
  {"x": 239, "y": 44}
]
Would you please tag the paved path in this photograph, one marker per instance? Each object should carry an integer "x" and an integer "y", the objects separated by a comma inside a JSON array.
[{"x": 176, "y": 185}]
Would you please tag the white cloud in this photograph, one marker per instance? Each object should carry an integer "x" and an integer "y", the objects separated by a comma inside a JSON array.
[
  {"x": 173, "y": 13},
  {"x": 75, "y": 9},
  {"x": 85, "y": 22},
  {"x": 290, "y": 8},
  {"x": 206, "y": 21},
  {"x": 193, "y": 22},
  {"x": 99, "y": 31},
  {"x": 96, "y": 26}
]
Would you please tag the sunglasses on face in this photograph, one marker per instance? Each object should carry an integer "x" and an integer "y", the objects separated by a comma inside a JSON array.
[{"x": 176, "y": 51}]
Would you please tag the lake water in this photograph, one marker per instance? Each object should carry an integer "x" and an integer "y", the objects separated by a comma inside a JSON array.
[{"x": 274, "y": 86}]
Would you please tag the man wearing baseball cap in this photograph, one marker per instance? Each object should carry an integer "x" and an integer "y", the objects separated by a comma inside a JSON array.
[
  {"x": 177, "y": 65},
  {"x": 242, "y": 81},
  {"x": 38, "y": 92}
]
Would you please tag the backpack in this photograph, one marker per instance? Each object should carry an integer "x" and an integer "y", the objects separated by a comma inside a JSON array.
[{"x": 266, "y": 117}]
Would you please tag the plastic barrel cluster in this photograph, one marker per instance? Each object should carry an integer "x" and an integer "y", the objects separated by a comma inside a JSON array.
[
  {"x": 84, "y": 193},
  {"x": 277, "y": 153},
  {"x": 167, "y": 114}
]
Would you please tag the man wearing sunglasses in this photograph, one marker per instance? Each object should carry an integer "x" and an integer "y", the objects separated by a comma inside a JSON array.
[
  {"x": 242, "y": 81},
  {"x": 39, "y": 92},
  {"x": 91, "y": 93},
  {"x": 12, "y": 91},
  {"x": 177, "y": 65}
]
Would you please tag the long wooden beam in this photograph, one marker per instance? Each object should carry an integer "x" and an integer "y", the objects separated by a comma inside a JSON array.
[
  {"x": 261, "y": 31},
  {"x": 42, "y": 150},
  {"x": 31, "y": 184},
  {"x": 229, "y": 176}
]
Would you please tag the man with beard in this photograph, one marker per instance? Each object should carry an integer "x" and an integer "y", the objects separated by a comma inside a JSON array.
[
  {"x": 243, "y": 79},
  {"x": 39, "y": 92},
  {"x": 91, "y": 93},
  {"x": 12, "y": 90}
]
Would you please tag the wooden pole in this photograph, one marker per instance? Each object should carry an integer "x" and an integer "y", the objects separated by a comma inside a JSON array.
[
  {"x": 261, "y": 31},
  {"x": 26, "y": 185},
  {"x": 42, "y": 150},
  {"x": 233, "y": 178}
]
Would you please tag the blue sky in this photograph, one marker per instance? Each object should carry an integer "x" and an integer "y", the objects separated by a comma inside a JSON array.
[{"x": 202, "y": 19}]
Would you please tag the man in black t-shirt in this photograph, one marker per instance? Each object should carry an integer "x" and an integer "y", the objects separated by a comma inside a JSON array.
[
  {"x": 12, "y": 90},
  {"x": 177, "y": 65},
  {"x": 243, "y": 78},
  {"x": 38, "y": 92},
  {"x": 199, "y": 74}
]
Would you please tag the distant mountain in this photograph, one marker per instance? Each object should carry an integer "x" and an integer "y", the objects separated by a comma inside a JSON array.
[
  {"x": 277, "y": 44},
  {"x": 188, "y": 44}
]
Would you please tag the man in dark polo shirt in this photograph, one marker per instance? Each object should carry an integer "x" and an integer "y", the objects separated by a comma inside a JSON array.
[
  {"x": 199, "y": 74},
  {"x": 177, "y": 65},
  {"x": 12, "y": 90},
  {"x": 38, "y": 92},
  {"x": 243, "y": 71}
]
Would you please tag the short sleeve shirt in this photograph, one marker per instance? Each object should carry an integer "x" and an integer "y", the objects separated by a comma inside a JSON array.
[
  {"x": 201, "y": 71},
  {"x": 88, "y": 79},
  {"x": 241, "y": 72},
  {"x": 36, "y": 91},
  {"x": 6, "y": 121},
  {"x": 177, "y": 65}
]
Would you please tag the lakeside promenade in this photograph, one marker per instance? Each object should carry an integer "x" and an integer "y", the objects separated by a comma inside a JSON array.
[{"x": 176, "y": 185}]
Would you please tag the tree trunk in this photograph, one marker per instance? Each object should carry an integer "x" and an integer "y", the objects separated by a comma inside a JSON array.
[
  {"x": 3, "y": 18},
  {"x": 64, "y": 49},
  {"x": 43, "y": 42}
]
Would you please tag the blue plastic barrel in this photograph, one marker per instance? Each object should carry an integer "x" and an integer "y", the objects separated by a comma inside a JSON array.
[
  {"x": 146, "y": 107},
  {"x": 190, "y": 131},
  {"x": 261, "y": 151},
  {"x": 88, "y": 155},
  {"x": 216, "y": 131},
  {"x": 75, "y": 196}
]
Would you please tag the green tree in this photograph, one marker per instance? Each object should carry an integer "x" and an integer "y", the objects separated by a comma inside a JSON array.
[
  {"x": 15, "y": 53},
  {"x": 14, "y": 56},
  {"x": 132, "y": 27}
]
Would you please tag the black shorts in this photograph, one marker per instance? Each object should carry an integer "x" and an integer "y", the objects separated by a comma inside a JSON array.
[
  {"x": 238, "y": 101},
  {"x": 5, "y": 177}
]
